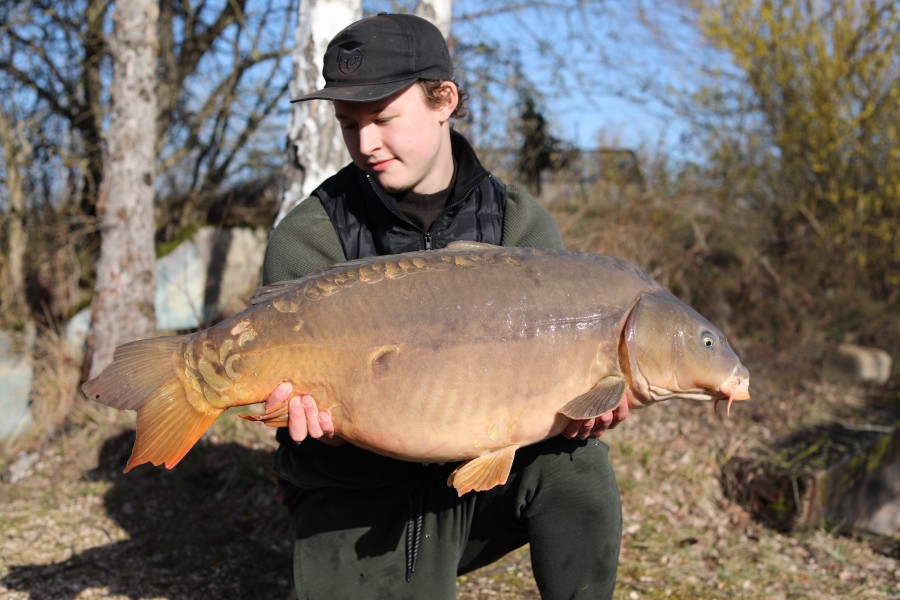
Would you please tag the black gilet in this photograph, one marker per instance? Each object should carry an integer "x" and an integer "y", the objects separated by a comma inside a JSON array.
[{"x": 368, "y": 222}]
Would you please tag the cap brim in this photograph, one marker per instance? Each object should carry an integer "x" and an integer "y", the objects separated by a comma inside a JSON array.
[{"x": 358, "y": 93}]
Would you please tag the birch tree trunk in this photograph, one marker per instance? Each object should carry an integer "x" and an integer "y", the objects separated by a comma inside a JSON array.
[
  {"x": 315, "y": 146},
  {"x": 126, "y": 271},
  {"x": 438, "y": 12}
]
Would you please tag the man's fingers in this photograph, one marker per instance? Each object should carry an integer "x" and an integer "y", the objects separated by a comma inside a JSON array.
[
  {"x": 296, "y": 420},
  {"x": 571, "y": 429},
  {"x": 278, "y": 395},
  {"x": 599, "y": 425},
  {"x": 304, "y": 418},
  {"x": 586, "y": 427},
  {"x": 620, "y": 414},
  {"x": 311, "y": 412},
  {"x": 326, "y": 424}
]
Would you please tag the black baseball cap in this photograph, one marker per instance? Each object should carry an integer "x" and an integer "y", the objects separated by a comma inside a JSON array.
[{"x": 380, "y": 56}]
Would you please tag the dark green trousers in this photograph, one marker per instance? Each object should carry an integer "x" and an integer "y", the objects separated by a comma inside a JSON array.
[{"x": 561, "y": 498}]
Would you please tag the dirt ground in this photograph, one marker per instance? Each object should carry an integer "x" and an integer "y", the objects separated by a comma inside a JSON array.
[{"x": 75, "y": 527}]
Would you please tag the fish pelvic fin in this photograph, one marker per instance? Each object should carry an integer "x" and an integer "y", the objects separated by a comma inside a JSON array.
[
  {"x": 483, "y": 472},
  {"x": 142, "y": 377},
  {"x": 602, "y": 398},
  {"x": 276, "y": 416}
]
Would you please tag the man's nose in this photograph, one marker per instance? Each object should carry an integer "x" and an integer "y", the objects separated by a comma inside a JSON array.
[{"x": 369, "y": 139}]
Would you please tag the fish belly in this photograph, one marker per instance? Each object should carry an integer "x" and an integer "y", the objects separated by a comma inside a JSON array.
[{"x": 433, "y": 404}]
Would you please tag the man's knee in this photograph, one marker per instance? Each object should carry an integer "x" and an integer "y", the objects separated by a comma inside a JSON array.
[
  {"x": 577, "y": 471},
  {"x": 574, "y": 518}
]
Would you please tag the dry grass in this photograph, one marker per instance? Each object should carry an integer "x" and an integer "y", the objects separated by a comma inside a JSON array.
[{"x": 75, "y": 527}]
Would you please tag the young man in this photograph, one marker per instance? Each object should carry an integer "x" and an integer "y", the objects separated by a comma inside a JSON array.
[{"x": 372, "y": 527}]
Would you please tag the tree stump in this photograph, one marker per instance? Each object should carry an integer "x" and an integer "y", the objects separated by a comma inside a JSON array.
[{"x": 836, "y": 474}]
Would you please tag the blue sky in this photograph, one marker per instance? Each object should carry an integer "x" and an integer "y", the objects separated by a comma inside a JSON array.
[{"x": 601, "y": 66}]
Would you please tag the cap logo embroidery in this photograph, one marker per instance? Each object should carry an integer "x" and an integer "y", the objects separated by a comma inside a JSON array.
[{"x": 349, "y": 61}]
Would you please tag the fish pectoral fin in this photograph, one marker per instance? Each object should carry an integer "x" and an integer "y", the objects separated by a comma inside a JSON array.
[
  {"x": 483, "y": 472},
  {"x": 602, "y": 398}
]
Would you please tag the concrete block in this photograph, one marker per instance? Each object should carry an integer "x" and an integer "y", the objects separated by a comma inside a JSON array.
[
  {"x": 16, "y": 376},
  {"x": 858, "y": 363}
]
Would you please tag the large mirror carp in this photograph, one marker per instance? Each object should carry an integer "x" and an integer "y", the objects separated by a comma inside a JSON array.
[{"x": 461, "y": 354}]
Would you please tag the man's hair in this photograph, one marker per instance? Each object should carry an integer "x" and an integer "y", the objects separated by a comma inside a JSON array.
[{"x": 435, "y": 95}]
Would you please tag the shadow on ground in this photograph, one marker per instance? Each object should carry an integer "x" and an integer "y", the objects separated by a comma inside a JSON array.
[{"x": 211, "y": 528}]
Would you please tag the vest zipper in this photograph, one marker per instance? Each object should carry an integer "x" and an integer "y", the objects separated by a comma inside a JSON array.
[
  {"x": 426, "y": 238},
  {"x": 426, "y": 235}
]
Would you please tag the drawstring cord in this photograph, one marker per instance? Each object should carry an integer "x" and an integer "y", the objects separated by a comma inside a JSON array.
[{"x": 413, "y": 532}]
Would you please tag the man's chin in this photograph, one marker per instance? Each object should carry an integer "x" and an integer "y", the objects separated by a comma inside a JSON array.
[{"x": 389, "y": 184}]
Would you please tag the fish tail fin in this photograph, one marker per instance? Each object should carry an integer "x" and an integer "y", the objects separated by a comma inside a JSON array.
[{"x": 142, "y": 377}]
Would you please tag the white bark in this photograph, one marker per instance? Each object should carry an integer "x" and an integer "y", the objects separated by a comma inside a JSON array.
[
  {"x": 126, "y": 270},
  {"x": 438, "y": 12},
  {"x": 315, "y": 147}
]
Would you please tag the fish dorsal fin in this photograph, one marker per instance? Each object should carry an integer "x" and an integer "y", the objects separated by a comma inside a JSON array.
[
  {"x": 270, "y": 291},
  {"x": 483, "y": 472},
  {"x": 602, "y": 398},
  {"x": 467, "y": 245},
  {"x": 275, "y": 289}
]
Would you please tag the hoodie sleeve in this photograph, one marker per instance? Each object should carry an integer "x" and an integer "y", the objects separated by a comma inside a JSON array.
[
  {"x": 304, "y": 241},
  {"x": 526, "y": 223}
]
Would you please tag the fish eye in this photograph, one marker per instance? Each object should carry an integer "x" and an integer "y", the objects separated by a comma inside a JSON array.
[{"x": 708, "y": 339}]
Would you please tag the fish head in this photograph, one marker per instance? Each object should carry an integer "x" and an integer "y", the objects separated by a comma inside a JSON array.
[{"x": 669, "y": 350}]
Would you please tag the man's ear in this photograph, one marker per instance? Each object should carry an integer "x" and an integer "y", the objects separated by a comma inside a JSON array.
[{"x": 450, "y": 94}]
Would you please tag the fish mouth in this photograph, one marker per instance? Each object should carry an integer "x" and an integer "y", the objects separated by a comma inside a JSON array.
[{"x": 736, "y": 387}]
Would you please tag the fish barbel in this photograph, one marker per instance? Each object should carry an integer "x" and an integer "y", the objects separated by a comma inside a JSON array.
[{"x": 461, "y": 354}]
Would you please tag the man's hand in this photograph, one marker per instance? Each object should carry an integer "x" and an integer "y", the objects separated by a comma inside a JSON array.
[
  {"x": 304, "y": 417},
  {"x": 586, "y": 428}
]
